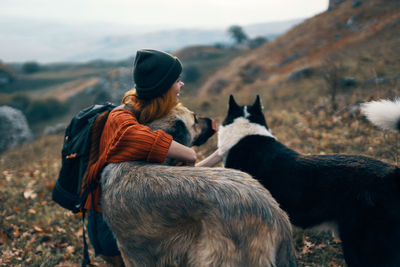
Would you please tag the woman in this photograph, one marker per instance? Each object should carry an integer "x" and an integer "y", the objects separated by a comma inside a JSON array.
[{"x": 124, "y": 138}]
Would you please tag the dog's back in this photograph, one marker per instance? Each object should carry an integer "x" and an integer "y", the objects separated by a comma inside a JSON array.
[{"x": 184, "y": 216}]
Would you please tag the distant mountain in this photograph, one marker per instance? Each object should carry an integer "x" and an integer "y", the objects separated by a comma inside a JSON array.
[
  {"x": 44, "y": 41},
  {"x": 271, "y": 28},
  {"x": 120, "y": 46}
]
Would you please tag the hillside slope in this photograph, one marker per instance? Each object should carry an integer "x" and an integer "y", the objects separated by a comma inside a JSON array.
[{"x": 351, "y": 35}]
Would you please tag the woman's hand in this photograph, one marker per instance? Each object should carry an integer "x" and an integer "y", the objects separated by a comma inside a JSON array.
[{"x": 211, "y": 160}]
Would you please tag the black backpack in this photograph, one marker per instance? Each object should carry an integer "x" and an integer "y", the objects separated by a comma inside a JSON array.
[{"x": 75, "y": 157}]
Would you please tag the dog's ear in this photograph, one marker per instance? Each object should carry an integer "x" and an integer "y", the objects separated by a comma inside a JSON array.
[
  {"x": 256, "y": 111},
  {"x": 180, "y": 133},
  {"x": 232, "y": 104},
  {"x": 257, "y": 104}
]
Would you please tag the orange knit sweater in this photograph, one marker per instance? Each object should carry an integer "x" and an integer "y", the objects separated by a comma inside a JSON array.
[{"x": 124, "y": 139}]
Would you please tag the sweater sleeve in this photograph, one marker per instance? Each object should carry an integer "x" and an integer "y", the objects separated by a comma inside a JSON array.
[{"x": 134, "y": 141}]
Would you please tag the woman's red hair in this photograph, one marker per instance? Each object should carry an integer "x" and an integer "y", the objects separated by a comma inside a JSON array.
[{"x": 149, "y": 110}]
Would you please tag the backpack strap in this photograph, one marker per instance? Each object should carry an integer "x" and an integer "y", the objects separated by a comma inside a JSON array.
[{"x": 97, "y": 129}]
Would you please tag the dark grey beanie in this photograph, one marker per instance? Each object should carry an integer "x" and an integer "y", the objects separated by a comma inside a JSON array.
[{"x": 154, "y": 72}]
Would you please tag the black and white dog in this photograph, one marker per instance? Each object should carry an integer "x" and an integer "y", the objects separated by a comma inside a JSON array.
[{"x": 357, "y": 195}]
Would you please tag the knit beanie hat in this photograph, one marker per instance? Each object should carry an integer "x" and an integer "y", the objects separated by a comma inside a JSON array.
[{"x": 154, "y": 72}]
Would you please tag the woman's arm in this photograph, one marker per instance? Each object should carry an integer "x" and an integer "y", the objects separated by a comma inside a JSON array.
[
  {"x": 182, "y": 153},
  {"x": 211, "y": 160}
]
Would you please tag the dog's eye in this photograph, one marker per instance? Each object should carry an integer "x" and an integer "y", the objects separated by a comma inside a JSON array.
[{"x": 195, "y": 119}]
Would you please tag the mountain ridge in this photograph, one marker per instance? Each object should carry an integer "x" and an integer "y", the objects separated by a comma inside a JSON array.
[{"x": 80, "y": 44}]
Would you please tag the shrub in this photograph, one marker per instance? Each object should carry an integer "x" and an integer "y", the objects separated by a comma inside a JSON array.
[
  {"x": 333, "y": 71},
  {"x": 237, "y": 33},
  {"x": 30, "y": 67},
  {"x": 221, "y": 46},
  {"x": 46, "y": 109},
  {"x": 20, "y": 101},
  {"x": 7, "y": 75},
  {"x": 257, "y": 42}
]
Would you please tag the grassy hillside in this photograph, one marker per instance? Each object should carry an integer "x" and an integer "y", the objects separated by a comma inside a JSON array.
[
  {"x": 364, "y": 41},
  {"x": 75, "y": 86},
  {"x": 36, "y": 232}
]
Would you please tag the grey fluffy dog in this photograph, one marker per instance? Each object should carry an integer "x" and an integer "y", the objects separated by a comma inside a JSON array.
[{"x": 189, "y": 216}]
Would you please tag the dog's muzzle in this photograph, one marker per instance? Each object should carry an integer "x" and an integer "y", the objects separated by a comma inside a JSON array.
[{"x": 208, "y": 129}]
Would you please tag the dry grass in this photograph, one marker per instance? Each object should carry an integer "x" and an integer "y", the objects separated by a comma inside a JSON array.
[
  {"x": 68, "y": 89},
  {"x": 34, "y": 231}
]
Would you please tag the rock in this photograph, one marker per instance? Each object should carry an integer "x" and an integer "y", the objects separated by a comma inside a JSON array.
[
  {"x": 377, "y": 80},
  {"x": 356, "y": 3},
  {"x": 59, "y": 128},
  {"x": 14, "y": 129},
  {"x": 305, "y": 72},
  {"x": 348, "y": 82},
  {"x": 333, "y": 4},
  {"x": 118, "y": 83},
  {"x": 111, "y": 88},
  {"x": 289, "y": 59},
  {"x": 249, "y": 73},
  {"x": 338, "y": 36},
  {"x": 352, "y": 24}
]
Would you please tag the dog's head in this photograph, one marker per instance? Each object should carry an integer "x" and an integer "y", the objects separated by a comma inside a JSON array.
[
  {"x": 241, "y": 121},
  {"x": 185, "y": 126},
  {"x": 251, "y": 113}
]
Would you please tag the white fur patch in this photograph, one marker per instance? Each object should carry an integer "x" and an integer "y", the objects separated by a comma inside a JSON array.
[
  {"x": 230, "y": 135},
  {"x": 246, "y": 113},
  {"x": 383, "y": 113}
]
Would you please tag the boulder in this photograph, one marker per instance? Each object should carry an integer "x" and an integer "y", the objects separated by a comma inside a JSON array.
[
  {"x": 356, "y": 3},
  {"x": 117, "y": 83},
  {"x": 305, "y": 72},
  {"x": 335, "y": 3},
  {"x": 378, "y": 80},
  {"x": 289, "y": 59},
  {"x": 14, "y": 129},
  {"x": 56, "y": 129},
  {"x": 348, "y": 82}
]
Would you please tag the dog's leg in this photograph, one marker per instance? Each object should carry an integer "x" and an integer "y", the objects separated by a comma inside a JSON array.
[
  {"x": 356, "y": 243},
  {"x": 246, "y": 242}
]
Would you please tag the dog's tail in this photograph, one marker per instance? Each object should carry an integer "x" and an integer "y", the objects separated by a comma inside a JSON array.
[{"x": 383, "y": 113}]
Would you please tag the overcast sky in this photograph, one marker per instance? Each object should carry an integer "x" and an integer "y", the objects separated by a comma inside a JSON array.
[
  {"x": 58, "y": 30},
  {"x": 167, "y": 13}
]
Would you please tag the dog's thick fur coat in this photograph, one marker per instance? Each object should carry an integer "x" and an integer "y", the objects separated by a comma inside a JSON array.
[
  {"x": 189, "y": 216},
  {"x": 358, "y": 195}
]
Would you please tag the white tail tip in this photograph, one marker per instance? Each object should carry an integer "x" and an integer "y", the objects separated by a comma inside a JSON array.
[{"x": 383, "y": 113}]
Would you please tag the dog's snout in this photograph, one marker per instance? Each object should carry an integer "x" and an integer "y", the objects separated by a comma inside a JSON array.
[{"x": 208, "y": 129}]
